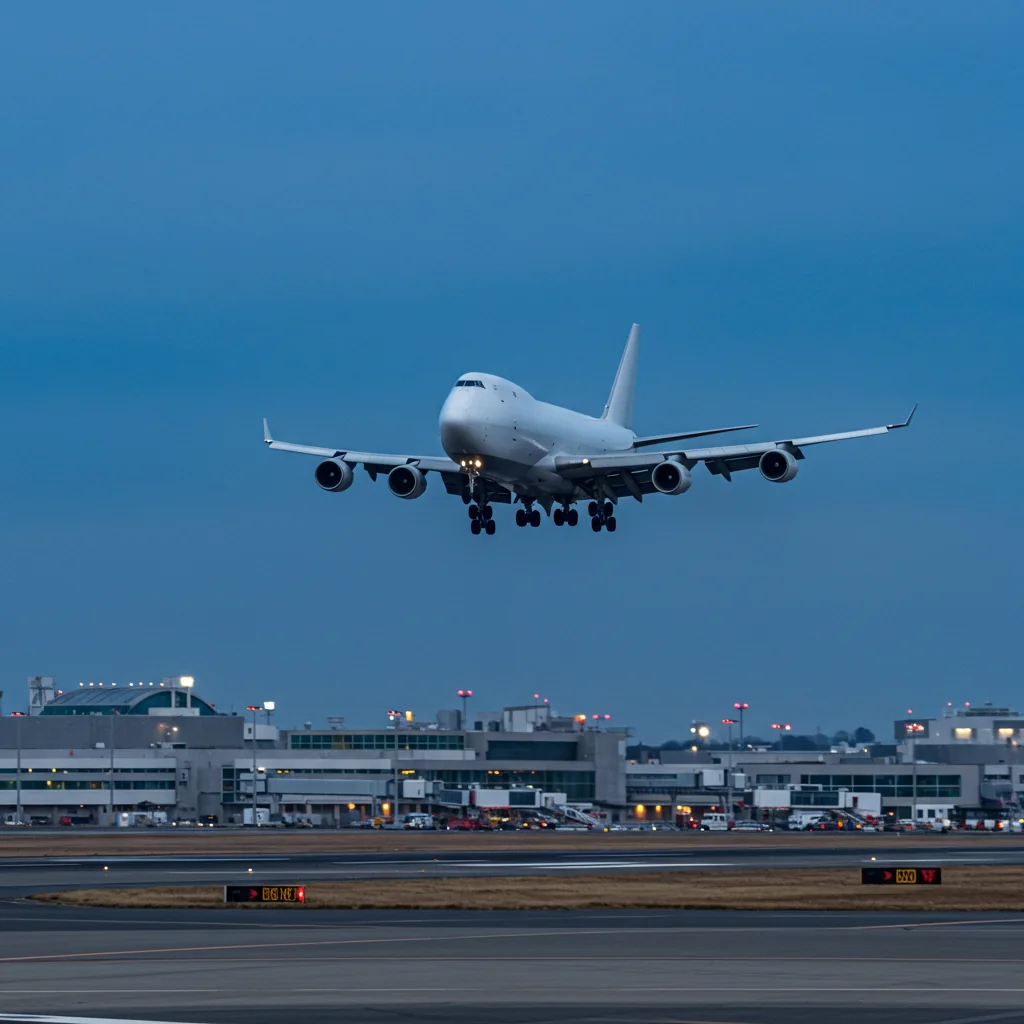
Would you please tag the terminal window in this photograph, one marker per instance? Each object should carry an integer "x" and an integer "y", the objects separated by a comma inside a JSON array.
[
  {"x": 376, "y": 741},
  {"x": 889, "y": 785}
]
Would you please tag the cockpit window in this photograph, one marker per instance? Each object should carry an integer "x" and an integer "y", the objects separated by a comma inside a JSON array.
[
  {"x": 460, "y": 383},
  {"x": 469, "y": 383}
]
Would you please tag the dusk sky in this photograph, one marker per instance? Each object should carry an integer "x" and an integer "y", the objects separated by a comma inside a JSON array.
[{"x": 324, "y": 213}]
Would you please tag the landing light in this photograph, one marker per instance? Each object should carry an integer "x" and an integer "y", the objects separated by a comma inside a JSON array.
[{"x": 478, "y": 463}]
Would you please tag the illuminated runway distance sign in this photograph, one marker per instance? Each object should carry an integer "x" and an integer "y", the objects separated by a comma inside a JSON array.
[
  {"x": 901, "y": 876},
  {"x": 264, "y": 894}
]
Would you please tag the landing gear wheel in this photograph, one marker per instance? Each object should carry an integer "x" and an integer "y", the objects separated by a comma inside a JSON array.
[
  {"x": 558, "y": 516},
  {"x": 592, "y": 509},
  {"x": 535, "y": 518},
  {"x": 490, "y": 526},
  {"x": 520, "y": 517},
  {"x": 609, "y": 510},
  {"x": 474, "y": 512},
  {"x": 595, "y": 524},
  {"x": 475, "y": 526},
  {"x": 486, "y": 513},
  {"x": 610, "y": 523},
  {"x": 572, "y": 517}
]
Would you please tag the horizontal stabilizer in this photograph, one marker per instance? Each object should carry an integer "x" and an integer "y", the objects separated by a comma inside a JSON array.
[{"x": 645, "y": 442}]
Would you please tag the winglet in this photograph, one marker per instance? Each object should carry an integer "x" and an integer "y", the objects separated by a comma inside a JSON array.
[
  {"x": 906, "y": 423},
  {"x": 266, "y": 431}
]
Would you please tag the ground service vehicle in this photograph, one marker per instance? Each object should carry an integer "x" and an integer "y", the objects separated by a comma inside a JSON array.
[
  {"x": 716, "y": 822},
  {"x": 801, "y": 819}
]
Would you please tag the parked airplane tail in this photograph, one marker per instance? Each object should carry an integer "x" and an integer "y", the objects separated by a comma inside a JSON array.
[{"x": 619, "y": 408}]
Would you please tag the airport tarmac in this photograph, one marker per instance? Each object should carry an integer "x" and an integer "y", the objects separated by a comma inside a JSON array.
[
  {"x": 262, "y": 967},
  {"x": 22, "y": 876}
]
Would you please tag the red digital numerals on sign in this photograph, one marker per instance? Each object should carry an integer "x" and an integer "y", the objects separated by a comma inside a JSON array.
[
  {"x": 901, "y": 876},
  {"x": 264, "y": 894}
]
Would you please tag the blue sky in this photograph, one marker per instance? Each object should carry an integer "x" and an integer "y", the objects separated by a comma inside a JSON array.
[{"x": 325, "y": 213}]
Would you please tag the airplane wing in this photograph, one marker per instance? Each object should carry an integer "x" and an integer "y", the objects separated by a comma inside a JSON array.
[
  {"x": 373, "y": 462},
  {"x": 629, "y": 474}
]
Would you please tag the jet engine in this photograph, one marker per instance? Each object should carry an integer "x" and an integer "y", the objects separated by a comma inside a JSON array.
[
  {"x": 334, "y": 475},
  {"x": 671, "y": 477},
  {"x": 406, "y": 482},
  {"x": 778, "y": 466}
]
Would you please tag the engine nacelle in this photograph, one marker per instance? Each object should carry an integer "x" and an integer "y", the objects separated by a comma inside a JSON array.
[
  {"x": 778, "y": 466},
  {"x": 671, "y": 477},
  {"x": 406, "y": 482},
  {"x": 334, "y": 475}
]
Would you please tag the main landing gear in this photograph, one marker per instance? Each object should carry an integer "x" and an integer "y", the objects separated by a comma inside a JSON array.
[
  {"x": 602, "y": 514},
  {"x": 480, "y": 520},
  {"x": 565, "y": 517},
  {"x": 527, "y": 517}
]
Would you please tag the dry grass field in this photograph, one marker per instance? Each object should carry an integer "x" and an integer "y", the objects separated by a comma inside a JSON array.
[
  {"x": 249, "y": 842},
  {"x": 963, "y": 888}
]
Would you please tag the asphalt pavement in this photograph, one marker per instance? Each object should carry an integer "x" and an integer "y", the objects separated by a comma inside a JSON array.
[
  {"x": 573, "y": 967},
  {"x": 20, "y": 877},
  {"x": 262, "y": 967}
]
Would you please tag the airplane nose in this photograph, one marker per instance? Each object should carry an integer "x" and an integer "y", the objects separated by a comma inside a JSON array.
[{"x": 460, "y": 433}]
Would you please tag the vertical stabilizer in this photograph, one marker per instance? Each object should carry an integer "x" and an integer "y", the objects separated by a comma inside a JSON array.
[{"x": 620, "y": 402}]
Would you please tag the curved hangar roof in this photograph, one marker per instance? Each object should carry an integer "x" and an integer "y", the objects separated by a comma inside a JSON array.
[{"x": 121, "y": 700}]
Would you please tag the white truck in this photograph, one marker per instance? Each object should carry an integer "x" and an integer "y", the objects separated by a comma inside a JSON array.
[
  {"x": 799, "y": 820},
  {"x": 416, "y": 819},
  {"x": 715, "y": 822}
]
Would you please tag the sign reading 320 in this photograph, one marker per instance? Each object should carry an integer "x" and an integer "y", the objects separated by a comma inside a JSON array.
[{"x": 901, "y": 876}]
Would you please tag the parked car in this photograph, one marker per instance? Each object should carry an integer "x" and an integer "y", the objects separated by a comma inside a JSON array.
[
  {"x": 825, "y": 825},
  {"x": 751, "y": 826}
]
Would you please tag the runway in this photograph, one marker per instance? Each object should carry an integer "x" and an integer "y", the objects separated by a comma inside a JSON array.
[
  {"x": 261, "y": 967},
  {"x": 575, "y": 967},
  {"x": 20, "y": 877}
]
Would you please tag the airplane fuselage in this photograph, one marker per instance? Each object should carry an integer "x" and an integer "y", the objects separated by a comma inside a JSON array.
[{"x": 516, "y": 438}]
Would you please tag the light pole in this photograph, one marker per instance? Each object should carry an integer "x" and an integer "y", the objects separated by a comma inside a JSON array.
[
  {"x": 18, "y": 783},
  {"x": 465, "y": 695},
  {"x": 782, "y": 727},
  {"x": 268, "y": 706},
  {"x": 187, "y": 682},
  {"x": 913, "y": 727},
  {"x": 741, "y": 706},
  {"x": 396, "y": 717},
  {"x": 112, "y": 714},
  {"x": 728, "y": 778},
  {"x": 255, "y": 709}
]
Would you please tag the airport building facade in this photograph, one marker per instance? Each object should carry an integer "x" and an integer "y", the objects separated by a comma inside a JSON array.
[
  {"x": 107, "y": 755},
  {"x": 92, "y": 756}
]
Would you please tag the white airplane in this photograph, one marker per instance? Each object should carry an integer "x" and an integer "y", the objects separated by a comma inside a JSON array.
[{"x": 505, "y": 446}]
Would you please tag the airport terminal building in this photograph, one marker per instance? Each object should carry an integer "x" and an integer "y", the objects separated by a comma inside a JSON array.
[
  {"x": 110, "y": 754},
  {"x": 93, "y": 754}
]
